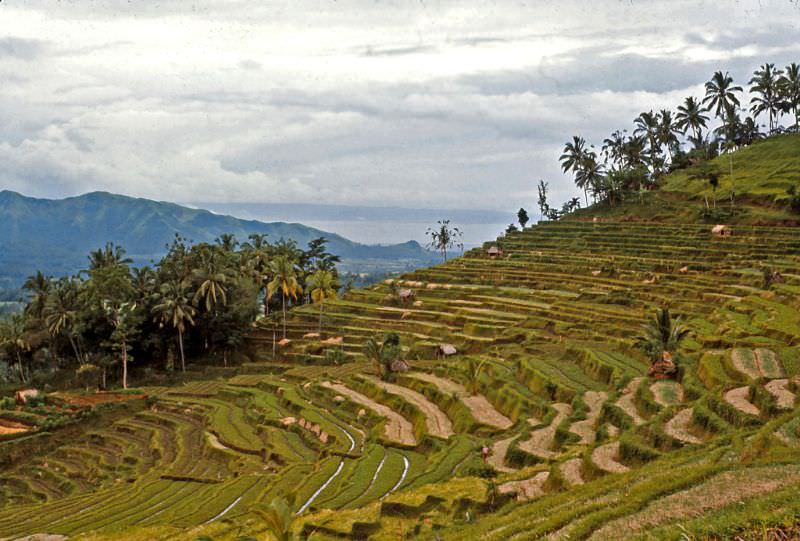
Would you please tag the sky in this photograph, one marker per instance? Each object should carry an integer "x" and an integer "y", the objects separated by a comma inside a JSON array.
[{"x": 419, "y": 104}]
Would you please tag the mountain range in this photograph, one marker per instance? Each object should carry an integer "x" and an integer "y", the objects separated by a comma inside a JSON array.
[{"x": 56, "y": 235}]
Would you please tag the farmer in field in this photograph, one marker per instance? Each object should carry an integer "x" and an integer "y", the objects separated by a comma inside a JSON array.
[{"x": 485, "y": 454}]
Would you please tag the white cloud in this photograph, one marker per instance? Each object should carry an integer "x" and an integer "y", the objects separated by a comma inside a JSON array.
[{"x": 430, "y": 104}]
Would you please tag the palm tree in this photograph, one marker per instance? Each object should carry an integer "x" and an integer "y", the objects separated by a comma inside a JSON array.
[
  {"x": 765, "y": 85},
  {"x": 108, "y": 256},
  {"x": 383, "y": 352},
  {"x": 14, "y": 339},
  {"x": 61, "y": 311},
  {"x": 255, "y": 262},
  {"x": 444, "y": 237},
  {"x": 174, "y": 308},
  {"x": 721, "y": 94},
  {"x": 211, "y": 279},
  {"x": 228, "y": 242},
  {"x": 574, "y": 158},
  {"x": 789, "y": 86},
  {"x": 647, "y": 125},
  {"x": 666, "y": 131},
  {"x": 322, "y": 285},
  {"x": 661, "y": 334},
  {"x": 39, "y": 286},
  {"x": 121, "y": 317},
  {"x": 613, "y": 147},
  {"x": 690, "y": 115},
  {"x": 590, "y": 176},
  {"x": 284, "y": 279}
]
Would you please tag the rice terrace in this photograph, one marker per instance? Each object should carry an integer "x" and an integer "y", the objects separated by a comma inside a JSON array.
[{"x": 625, "y": 367}]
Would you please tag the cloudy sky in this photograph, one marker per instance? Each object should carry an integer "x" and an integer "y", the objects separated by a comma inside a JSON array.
[{"x": 408, "y": 103}]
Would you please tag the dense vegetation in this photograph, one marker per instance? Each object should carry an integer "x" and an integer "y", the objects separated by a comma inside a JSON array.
[
  {"x": 630, "y": 164},
  {"x": 197, "y": 302}
]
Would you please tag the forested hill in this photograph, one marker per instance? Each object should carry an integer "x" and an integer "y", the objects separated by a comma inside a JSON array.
[{"x": 55, "y": 236}]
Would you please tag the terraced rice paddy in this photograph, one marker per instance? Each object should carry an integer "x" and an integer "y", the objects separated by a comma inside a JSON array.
[{"x": 583, "y": 444}]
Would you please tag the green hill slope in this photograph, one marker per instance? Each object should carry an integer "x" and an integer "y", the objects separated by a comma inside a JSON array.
[
  {"x": 56, "y": 235},
  {"x": 547, "y": 374},
  {"x": 763, "y": 175}
]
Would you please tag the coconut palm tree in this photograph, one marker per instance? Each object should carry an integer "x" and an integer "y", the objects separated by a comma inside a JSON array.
[
  {"x": 39, "y": 286},
  {"x": 765, "y": 86},
  {"x": 574, "y": 158},
  {"x": 590, "y": 176},
  {"x": 647, "y": 126},
  {"x": 690, "y": 116},
  {"x": 284, "y": 279},
  {"x": 13, "y": 339},
  {"x": 613, "y": 148},
  {"x": 61, "y": 311},
  {"x": 383, "y": 351},
  {"x": 721, "y": 94},
  {"x": 255, "y": 263},
  {"x": 210, "y": 277},
  {"x": 666, "y": 131},
  {"x": 122, "y": 318},
  {"x": 789, "y": 86},
  {"x": 322, "y": 286},
  {"x": 108, "y": 256},
  {"x": 174, "y": 308},
  {"x": 662, "y": 333}
]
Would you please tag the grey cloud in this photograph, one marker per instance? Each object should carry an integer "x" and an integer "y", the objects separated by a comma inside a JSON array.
[{"x": 21, "y": 48}]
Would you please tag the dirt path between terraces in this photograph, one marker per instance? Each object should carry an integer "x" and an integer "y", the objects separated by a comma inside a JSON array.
[
  {"x": 678, "y": 427},
  {"x": 779, "y": 388},
  {"x": 605, "y": 458},
  {"x": 723, "y": 490},
  {"x": 481, "y": 409},
  {"x": 571, "y": 471},
  {"x": 526, "y": 489},
  {"x": 436, "y": 422},
  {"x": 627, "y": 404},
  {"x": 586, "y": 428},
  {"x": 738, "y": 399},
  {"x": 540, "y": 442},
  {"x": 497, "y": 459},
  {"x": 398, "y": 428}
]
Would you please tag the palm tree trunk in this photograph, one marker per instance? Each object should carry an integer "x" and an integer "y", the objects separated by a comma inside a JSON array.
[
  {"x": 180, "y": 345},
  {"x": 320, "y": 316},
  {"x": 283, "y": 302},
  {"x": 124, "y": 366},
  {"x": 21, "y": 370},
  {"x": 75, "y": 349},
  {"x": 586, "y": 196}
]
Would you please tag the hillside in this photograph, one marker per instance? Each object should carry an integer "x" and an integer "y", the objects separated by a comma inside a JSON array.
[
  {"x": 56, "y": 235},
  {"x": 763, "y": 174},
  {"x": 547, "y": 374}
]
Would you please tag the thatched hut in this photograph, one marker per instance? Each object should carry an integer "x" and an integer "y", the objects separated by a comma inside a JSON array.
[
  {"x": 720, "y": 230},
  {"x": 406, "y": 295},
  {"x": 25, "y": 395},
  {"x": 494, "y": 252},
  {"x": 445, "y": 350}
]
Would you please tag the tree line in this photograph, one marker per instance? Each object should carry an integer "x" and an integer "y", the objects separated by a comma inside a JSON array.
[
  {"x": 636, "y": 161},
  {"x": 197, "y": 301}
]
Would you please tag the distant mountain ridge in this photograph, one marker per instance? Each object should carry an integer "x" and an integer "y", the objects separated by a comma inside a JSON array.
[{"x": 55, "y": 235}]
